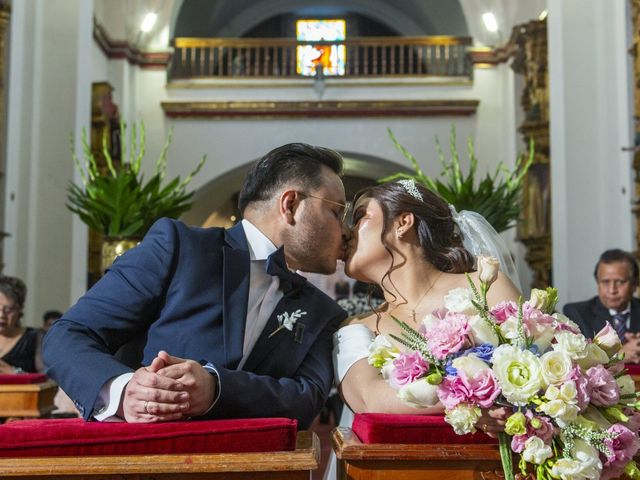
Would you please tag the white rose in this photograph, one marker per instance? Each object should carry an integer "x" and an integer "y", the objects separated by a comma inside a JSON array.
[
  {"x": 470, "y": 365},
  {"x": 536, "y": 451},
  {"x": 518, "y": 373},
  {"x": 626, "y": 384},
  {"x": 595, "y": 356},
  {"x": 608, "y": 340},
  {"x": 463, "y": 418},
  {"x": 575, "y": 345},
  {"x": 459, "y": 300},
  {"x": 488, "y": 268},
  {"x": 419, "y": 394},
  {"x": 555, "y": 367},
  {"x": 481, "y": 332}
]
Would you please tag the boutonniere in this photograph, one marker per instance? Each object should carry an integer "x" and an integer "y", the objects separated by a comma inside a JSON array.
[{"x": 287, "y": 320}]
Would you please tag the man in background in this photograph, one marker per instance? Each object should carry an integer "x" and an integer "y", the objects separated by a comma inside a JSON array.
[{"x": 616, "y": 275}]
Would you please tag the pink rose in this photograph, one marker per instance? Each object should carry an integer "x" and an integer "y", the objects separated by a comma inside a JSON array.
[
  {"x": 582, "y": 387},
  {"x": 483, "y": 387},
  {"x": 504, "y": 310},
  {"x": 624, "y": 446},
  {"x": 452, "y": 391},
  {"x": 407, "y": 369},
  {"x": 448, "y": 335},
  {"x": 602, "y": 387}
]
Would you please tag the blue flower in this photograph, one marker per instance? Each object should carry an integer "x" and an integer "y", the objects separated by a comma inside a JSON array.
[
  {"x": 483, "y": 352},
  {"x": 450, "y": 370}
]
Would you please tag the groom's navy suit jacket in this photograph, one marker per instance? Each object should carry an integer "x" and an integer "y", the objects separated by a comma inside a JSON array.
[
  {"x": 187, "y": 288},
  {"x": 592, "y": 315}
]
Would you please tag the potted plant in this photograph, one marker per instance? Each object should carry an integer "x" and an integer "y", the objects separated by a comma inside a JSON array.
[
  {"x": 117, "y": 202},
  {"x": 497, "y": 197}
]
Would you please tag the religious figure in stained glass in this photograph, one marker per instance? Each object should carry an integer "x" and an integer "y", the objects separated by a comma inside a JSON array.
[{"x": 318, "y": 47}]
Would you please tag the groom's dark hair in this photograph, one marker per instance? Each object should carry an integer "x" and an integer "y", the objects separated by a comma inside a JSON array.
[{"x": 297, "y": 162}]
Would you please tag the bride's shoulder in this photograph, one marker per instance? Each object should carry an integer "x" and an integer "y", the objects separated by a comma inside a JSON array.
[{"x": 359, "y": 319}]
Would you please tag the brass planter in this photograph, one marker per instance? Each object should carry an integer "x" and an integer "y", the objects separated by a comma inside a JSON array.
[{"x": 112, "y": 248}]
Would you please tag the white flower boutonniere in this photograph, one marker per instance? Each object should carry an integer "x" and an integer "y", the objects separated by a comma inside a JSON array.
[{"x": 287, "y": 320}]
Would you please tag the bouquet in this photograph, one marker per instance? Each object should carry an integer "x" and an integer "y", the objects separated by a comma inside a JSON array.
[{"x": 574, "y": 409}]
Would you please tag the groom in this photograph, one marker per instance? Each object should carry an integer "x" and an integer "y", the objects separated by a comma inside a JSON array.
[{"x": 230, "y": 330}]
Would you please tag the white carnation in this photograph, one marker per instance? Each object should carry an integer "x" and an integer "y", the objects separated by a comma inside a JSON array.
[
  {"x": 459, "y": 300},
  {"x": 463, "y": 418},
  {"x": 518, "y": 373}
]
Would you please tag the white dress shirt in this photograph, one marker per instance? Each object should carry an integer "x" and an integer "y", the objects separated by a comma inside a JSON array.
[{"x": 263, "y": 298}]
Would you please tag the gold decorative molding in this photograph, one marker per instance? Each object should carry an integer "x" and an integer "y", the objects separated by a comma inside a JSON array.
[
  {"x": 401, "y": 108},
  {"x": 530, "y": 58},
  {"x": 122, "y": 49},
  {"x": 635, "y": 22}
]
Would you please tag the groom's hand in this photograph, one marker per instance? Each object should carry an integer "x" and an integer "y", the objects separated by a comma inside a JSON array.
[
  {"x": 150, "y": 397},
  {"x": 199, "y": 383}
]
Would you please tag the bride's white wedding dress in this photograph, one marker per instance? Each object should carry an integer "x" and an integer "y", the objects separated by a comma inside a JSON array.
[{"x": 350, "y": 344}]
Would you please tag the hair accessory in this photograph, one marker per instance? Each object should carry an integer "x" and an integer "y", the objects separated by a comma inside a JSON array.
[{"x": 410, "y": 186}]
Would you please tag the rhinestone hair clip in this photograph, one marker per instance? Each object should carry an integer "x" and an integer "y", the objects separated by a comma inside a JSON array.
[{"x": 410, "y": 187}]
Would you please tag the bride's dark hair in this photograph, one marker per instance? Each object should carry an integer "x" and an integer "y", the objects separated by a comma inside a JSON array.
[{"x": 435, "y": 228}]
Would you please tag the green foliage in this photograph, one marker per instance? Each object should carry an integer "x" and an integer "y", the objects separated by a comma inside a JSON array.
[
  {"x": 497, "y": 199},
  {"x": 118, "y": 202}
]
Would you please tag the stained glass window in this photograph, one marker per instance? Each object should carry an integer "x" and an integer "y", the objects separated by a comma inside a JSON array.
[{"x": 318, "y": 46}]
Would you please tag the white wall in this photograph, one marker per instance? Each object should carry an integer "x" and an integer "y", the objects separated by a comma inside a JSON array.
[
  {"x": 590, "y": 108},
  {"x": 49, "y": 100}
]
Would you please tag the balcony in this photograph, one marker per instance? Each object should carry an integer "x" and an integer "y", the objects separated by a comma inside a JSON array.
[{"x": 366, "y": 57}]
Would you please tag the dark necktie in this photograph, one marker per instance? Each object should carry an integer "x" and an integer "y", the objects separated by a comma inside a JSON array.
[
  {"x": 277, "y": 265},
  {"x": 619, "y": 321}
]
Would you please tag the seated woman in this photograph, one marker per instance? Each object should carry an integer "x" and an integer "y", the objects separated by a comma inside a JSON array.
[
  {"x": 408, "y": 241},
  {"x": 20, "y": 348}
]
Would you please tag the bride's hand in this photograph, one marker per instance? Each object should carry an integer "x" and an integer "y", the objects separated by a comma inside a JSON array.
[{"x": 492, "y": 421}]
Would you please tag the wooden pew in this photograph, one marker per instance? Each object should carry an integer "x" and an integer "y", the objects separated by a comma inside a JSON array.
[
  {"x": 27, "y": 400},
  {"x": 376, "y": 461},
  {"x": 290, "y": 465}
]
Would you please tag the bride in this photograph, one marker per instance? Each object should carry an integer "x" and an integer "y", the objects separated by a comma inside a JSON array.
[{"x": 409, "y": 242}]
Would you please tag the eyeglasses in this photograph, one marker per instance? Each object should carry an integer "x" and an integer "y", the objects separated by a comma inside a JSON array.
[
  {"x": 9, "y": 309},
  {"x": 346, "y": 207}
]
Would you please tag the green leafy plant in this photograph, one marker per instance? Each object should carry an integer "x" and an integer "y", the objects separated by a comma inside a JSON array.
[
  {"x": 117, "y": 202},
  {"x": 497, "y": 197}
]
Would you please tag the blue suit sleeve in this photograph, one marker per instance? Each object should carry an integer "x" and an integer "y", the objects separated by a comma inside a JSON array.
[{"x": 78, "y": 350}]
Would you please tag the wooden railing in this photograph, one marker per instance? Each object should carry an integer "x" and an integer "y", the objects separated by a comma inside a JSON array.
[{"x": 276, "y": 57}]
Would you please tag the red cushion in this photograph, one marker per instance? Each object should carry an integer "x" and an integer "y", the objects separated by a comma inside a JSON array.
[
  {"x": 633, "y": 368},
  {"x": 22, "y": 378},
  {"x": 388, "y": 428},
  {"x": 75, "y": 437}
]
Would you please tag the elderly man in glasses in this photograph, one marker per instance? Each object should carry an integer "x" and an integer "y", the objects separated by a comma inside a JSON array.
[{"x": 616, "y": 275}]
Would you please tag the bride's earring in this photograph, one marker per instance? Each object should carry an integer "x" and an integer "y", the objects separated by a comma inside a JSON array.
[{"x": 399, "y": 233}]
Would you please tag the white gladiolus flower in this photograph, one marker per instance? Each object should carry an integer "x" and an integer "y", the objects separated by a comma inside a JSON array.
[
  {"x": 562, "y": 404},
  {"x": 574, "y": 345},
  {"x": 463, "y": 418},
  {"x": 518, "y": 373},
  {"x": 459, "y": 300},
  {"x": 481, "y": 332},
  {"x": 555, "y": 367},
  {"x": 536, "y": 451},
  {"x": 419, "y": 394}
]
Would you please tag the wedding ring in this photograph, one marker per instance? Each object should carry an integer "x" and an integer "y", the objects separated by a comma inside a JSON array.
[{"x": 146, "y": 404}]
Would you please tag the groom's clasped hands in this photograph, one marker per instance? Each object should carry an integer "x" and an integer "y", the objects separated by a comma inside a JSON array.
[{"x": 170, "y": 388}]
